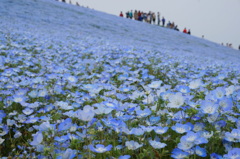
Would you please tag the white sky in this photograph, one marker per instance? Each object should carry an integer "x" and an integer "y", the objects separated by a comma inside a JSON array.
[{"x": 217, "y": 20}]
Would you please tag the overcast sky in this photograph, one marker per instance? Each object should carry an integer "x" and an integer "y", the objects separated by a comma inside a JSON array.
[{"x": 217, "y": 20}]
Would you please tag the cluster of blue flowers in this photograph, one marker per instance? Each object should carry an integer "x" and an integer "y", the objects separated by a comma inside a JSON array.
[
  {"x": 56, "y": 102},
  {"x": 90, "y": 99}
]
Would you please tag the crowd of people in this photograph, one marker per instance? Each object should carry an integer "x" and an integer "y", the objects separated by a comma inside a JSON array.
[{"x": 152, "y": 18}]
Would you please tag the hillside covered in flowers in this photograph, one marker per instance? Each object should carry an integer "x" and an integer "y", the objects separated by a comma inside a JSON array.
[{"x": 78, "y": 83}]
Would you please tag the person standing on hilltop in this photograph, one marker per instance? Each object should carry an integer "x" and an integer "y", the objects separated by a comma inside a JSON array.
[
  {"x": 239, "y": 47},
  {"x": 189, "y": 32},
  {"x": 121, "y": 14},
  {"x": 185, "y": 30},
  {"x": 158, "y": 18},
  {"x": 131, "y": 14},
  {"x": 153, "y": 17},
  {"x": 127, "y": 14},
  {"x": 135, "y": 15},
  {"x": 163, "y": 21}
]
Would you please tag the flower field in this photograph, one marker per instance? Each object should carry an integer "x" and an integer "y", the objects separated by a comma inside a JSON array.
[{"x": 81, "y": 96}]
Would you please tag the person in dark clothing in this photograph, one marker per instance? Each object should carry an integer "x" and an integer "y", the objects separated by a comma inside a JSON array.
[
  {"x": 176, "y": 28},
  {"x": 153, "y": 17},
  {"x": 239, "y": 47},
  {"x": 189, "y": 32},
  {"x": 127, "y": 14}
]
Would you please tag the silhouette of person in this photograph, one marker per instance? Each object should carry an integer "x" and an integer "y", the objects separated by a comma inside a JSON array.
[
  {"x": 176, "y": 28},
  {"x": 185, "y": 30},
  {"x": 135, "y": 15},
  {"x": 131, "y": 14},
  {"x": 127, "y": 14},
  {"x": 239, "y": 47},
  {"x": 153, "y": 17},
  {"x": 121, "y": 14},
  {"x": 158, "y": 18},
  {"x": 163, "y": 21},
  {"x": 189, "y": 32}
]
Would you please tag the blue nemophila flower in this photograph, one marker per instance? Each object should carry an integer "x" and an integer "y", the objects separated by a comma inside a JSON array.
[
  {"x": 156, "y": 144},
  {"x": 125, "y": 89},
  {"x": 71, "y": 79},
  {"x": 175, "y": 100},
  {"x": 61, "y": 139},
  {"x": 69, "y": 154},
  {"x": 225, "y": 104},
  {"x": 19, "y": 98},
  {"x": 48, "y": 108},
  {"x": 2, "y": 115},
  {"x": 200, "y": 151},
  {"x": 143, "y": 113},
  {"x": 180, "y": 116},
  {"x": 65, "y": 125},
  {"x": 205, "y": 134},
  {"x": 179, "y": 154},
  {"x": 28, "y": 111},
  {"x": 10, "y": 122},
  {"x": 234, "y": 136},
  {"x": 118, "y": 147},
  {"x": 112, "y": 105},
  {"x": 233, "y": 154},
  {"x": 190, "y": 136},
  {"x": 155, "y": 84},
  {"x": 194, "y": 137},
  {"x": 195, "y": 84},
  {"x": 4, "y": 130},
  {"x": 86, "y": 114},
  {"x": 137, "y": 131},
  {"x": 124, "y": 157},
  {"x": 153, "y": 120},
  {"x": 17, "y": 134},
  {"x": 230, "y": 90},
  {"x": 183, "y": 89},
  {"x": 63, "y": 105},
  {"x": 102, "y": 109},
  {"x": 42, "y": 93},
  {"x": 133, "y": 145},
  {"x": 219, "y": 92},
  {"x": 147, "y": 128},
  {"x": 32, "y": 120},
  {"x": 188, "y": 141},
  {"x": 45, "y": 126},
  {"x": 181, "y": 128},
  {"x": 37, "y": 139},
  {"x": 122, "y": 77},
  {"x": 209, "y": 107},
  {"x": 198, "y": 127},
  {"x": 160, "y": 130},
  {"x": 99, "y": 148}
]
